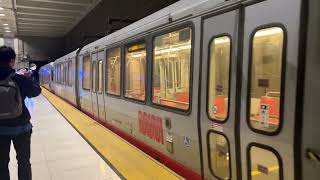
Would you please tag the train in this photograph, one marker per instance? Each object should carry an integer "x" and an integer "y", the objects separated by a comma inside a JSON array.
[{"x": 213, "y": 89}]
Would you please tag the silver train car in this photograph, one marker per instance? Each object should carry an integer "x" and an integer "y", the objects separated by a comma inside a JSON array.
[{"x": 213, "y": 89}]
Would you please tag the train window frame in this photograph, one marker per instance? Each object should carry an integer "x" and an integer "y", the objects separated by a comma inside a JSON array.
[
  {"x": 70, "y": 68},
  {"x": 265, "y": 147},
  {"x": 122, "y": 54},
  {"x": 283, "y": 77},
  {"x": 123, "y": 69},
  {"x": 209, "y": 154},
  {"x": 190, "y": 25},
  {"x": 230, "y": 76},
  {"x": 82, "y": 78}
]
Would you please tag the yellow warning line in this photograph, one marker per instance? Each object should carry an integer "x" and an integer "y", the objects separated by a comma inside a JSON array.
[
  {"x": 270, "y": 169},
  {"x": 127, "y": 159}
]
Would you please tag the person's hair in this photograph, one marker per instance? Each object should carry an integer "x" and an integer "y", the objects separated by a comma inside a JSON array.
[{"x": 6, "y": 54}]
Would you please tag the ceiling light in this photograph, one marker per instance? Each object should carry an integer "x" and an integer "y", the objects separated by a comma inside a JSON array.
[
  {"x": 1, "y": 8},
  {"x": 2, "y": 14},
  {"x": 6, "y": 28},
  {"x": 5, "y": 24},
  {"x": 8, "y": 31}
]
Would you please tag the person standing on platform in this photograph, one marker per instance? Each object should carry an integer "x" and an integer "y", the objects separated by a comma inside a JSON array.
[{"x": 15, "y": 118}]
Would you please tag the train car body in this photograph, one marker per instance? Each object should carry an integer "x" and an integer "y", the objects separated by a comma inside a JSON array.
[{"x": 204, "y": 86}]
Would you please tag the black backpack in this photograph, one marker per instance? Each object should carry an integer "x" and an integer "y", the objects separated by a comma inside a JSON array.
[{"x": 10, "y": 99}]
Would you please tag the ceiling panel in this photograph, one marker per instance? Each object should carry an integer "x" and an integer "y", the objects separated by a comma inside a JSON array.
[{"x": 42, "y": 17}]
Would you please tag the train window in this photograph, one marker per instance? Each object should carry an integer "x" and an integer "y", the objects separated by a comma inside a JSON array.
[
  {"x": 219, "y": 155},
  {"x": 100, "y": 77},
  {"x": 171, "y": 69},
  {"x": 218, "y": 102},
  {"x": 266, "y": 75},
  {"x": 66, "y": 74},
  {"x": 135, "y": 71},
  {"x": 61, "y": 73},
  {"x": 70, "y": 73},
  {"x": 94, "y": 76},
  {"x": 264, "y": 164},
  {"x": 86, "y": 73},
  {"x": 113, "y": 71}
]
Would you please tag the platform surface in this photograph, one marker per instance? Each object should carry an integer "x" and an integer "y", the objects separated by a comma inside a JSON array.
[
  {"x": 125, "y": 161},
  {"x": 58, "y": 152}
]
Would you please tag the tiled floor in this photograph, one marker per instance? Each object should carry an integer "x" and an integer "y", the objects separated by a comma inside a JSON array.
[{"x": 58, "y": 151}]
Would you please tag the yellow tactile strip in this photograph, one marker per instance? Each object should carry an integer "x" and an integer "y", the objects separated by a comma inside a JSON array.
[{"x": 131, "y": 162}]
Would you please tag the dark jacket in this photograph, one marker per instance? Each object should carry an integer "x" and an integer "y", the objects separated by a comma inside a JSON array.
[{"x": 27, "y": 87}]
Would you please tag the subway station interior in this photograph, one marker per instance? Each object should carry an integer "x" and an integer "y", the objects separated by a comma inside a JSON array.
[{"x": 159, "y": 89}]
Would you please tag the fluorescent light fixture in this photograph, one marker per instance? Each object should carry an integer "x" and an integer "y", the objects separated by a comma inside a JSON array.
[
  {"x": 1, "y": 8},
  {"x": 8, "y": 31},
  {"x": 2, "y": 14},
  {"x": 5, "y": 24},
  {"x": 6, "y": 28}
]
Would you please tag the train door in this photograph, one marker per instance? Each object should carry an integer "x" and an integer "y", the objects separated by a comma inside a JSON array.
[
  {"x": 269, "y": 89},
  {"x": 100, "y": 90},
  {"x": 94, "y": 80},
  {"x": 218, "y": 95}
]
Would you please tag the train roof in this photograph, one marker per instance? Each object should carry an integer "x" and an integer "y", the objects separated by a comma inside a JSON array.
[
  {"x": 174, "y": 12},
  {"x": 177, "y": 11}
]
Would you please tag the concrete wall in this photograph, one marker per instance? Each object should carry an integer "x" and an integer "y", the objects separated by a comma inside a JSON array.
[{"x": 42, "y": 48}]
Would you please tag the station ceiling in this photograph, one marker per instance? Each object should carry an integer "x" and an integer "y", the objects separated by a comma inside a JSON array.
[{"x": 50, "y": 18}]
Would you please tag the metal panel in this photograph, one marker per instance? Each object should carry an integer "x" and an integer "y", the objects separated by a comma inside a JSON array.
[
  {"x": 215, "y": 27},
  {"x": 286, "y": 14}
]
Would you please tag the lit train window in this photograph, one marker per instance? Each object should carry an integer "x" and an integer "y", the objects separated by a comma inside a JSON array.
[
  {"x": 266, "y": 75},
  {"x": 66, "y": 73},
  {"x": 264, "y": 164},
  {"x": 94, "y": 76},
  {"x": 86, "y": 73},
  {"x": 113, "y": 71},
  {"x": 61, "y": 73},
  {"x": 70, "y": 73},
  {"x": 100, "y": 77},
  {"x": 135, "y": 72},
  {"x": 218, "y": 102},
  {"x": 219, "y": 156},
  {"x": 171, "y": 69}
]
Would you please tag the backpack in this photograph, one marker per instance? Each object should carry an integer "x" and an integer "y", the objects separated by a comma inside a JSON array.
[{"x": 10, "y": 99}]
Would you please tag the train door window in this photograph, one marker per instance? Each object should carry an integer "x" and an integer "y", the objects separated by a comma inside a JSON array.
[
  {"x": 135, "y": 71},
  {"x": 70, "y": 73},
  {"x": 266, "y": 76},
  {"x": 219, "y": 155},
  {"x": 264, "y": 164},
  {"x": 218, "y": 93},
  {"x": 86, "y": 73},
  {"x": 52, "y": 75},
  {"x": 61, "y": 74},
  {"x": 100, "y": 77},
  {"x": 66, "y": 74},
  {"x": 94, "y": 76},
  {"x": 113, "y": 71},
  {"x": 171, "y": 69}
]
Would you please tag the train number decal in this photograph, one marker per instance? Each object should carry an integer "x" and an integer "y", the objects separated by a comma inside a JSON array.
[{"x": 151, "y": 126}]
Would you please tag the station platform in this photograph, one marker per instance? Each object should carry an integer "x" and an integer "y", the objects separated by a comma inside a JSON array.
[{"x": 67, "y": 144}]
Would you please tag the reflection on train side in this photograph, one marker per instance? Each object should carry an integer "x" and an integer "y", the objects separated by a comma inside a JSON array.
[
  {"x": 171, "y": 69},
  {"x": 266, "y": 69}
]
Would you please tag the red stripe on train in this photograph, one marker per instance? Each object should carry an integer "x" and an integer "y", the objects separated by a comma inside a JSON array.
[{"x": 177, "y": 167}]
